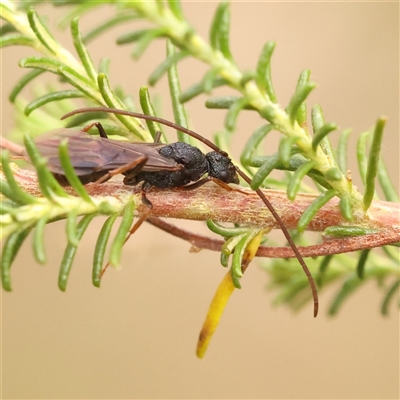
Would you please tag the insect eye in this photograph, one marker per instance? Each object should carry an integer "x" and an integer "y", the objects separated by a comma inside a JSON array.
[{"x": 224, "y": 176}]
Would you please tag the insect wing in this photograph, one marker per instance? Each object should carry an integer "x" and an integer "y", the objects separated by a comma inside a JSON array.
[
  {"x": 155, "y": 162},
  {"x": 85, "y": 153},
  {"x": 90, "y": 154}
]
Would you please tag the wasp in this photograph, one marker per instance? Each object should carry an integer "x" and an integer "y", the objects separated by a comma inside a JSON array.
[
  {"x": 164, "y": 166},
  {"x": 175, "y": 165}
]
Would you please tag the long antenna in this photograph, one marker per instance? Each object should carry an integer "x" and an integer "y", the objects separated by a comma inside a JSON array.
[
  {"x": 240, "y": 172},
  {"x": 289, "y": 239},
  {"x": 163, "y": 121}
]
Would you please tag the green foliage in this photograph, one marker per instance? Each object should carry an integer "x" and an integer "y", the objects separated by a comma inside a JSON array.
[
  {"x": 236, "y": 245},
  {"x": 301, "y": 153},
  {"x": 293, "y": 285}
]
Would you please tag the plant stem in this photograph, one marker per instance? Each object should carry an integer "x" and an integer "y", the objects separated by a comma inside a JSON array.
[{"x": 213, "y": 202}]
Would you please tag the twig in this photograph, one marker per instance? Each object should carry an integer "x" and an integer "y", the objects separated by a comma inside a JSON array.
[
  {"x": 212, "y": 202},
  {"x": 328, "y": 247}
]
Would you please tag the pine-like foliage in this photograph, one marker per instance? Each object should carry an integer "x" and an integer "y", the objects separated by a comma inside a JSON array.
[{"x": 30, "y": 201}]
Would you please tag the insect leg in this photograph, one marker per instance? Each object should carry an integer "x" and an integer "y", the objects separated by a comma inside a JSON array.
[
  {"x": 99, "y": 127},
  {"x": 134, "y": 167},
  {"x": 195, "y": 185},
  {"x": 226, "y": 186},
  {"x": 201, "y": 182},
  {"x": 157, "y": 137}
]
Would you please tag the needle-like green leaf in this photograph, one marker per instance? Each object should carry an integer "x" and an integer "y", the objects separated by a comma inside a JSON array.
[
  {"x": 44, "y": 63},
  {"x": 341, "y": 153},
  {"x": 49, "y": 186},
  {"x": 347, "y": 231},
  {"x": 163, "y": 68},
  {"x": 23, "y": 82},
  {"x": 81, "y": 49},
  {"x": 250, "y": 149},
  {"x": 70, "y": 174},
  {"x": 10, "y": 250},
  {"x": 145, "y": 40},
  {"x": 203, "y": 87},
  {"x": 53, "y": 96},
  {"x": 386, "y": 184},
  {"x": 7, "y": 192},
  {"x": 229, "y": 246},
  {"x": 296, "y": 179},
  {"x": 346, "y": 208},
  {"x": 361, "y": 263},
  {"x": 119, "y": 240},
  {"x": 18, "y": 195},
  {"x": 236, "y": 268},
  {"x": 81, "y": 83},
  {"x": 298, "y": 99},
  {"x": 373, "y": 161},
  {"x": 41, "y": 32},
  {"x": 113, "y": 101},
  {"x": 263, "y": 75},
  {"x": 321, "y": 133},
  {"x": 70, "y": 252},
  {"x": 390, "y": 294},
  {"x": 226, "y": 102},
  {"x": 233, "y": 113},
  {"x": 100, "y": 249},
  {"x": 333, "y": 174},
  {"x": 132, "y": 37},
  {"x": 285, "y": 149},
  {"x": 224, "y": 230},
  {"x": 38, "y": 240},
  {"x": 321, "y": 130},
  {"x": 175, "y": 92},
  {"x": 15, "y": 39},
  {"x": 71, "y": 228},
  {"x": 268, "y": 166},
  {"x": 116, "y": 20},
  {"x": 313, "y": 208},
  {"x": 323, "y": 266},
  {"x": 148, "y": 109},
  {"x": 208, "y": 81},
  {"x": 219, "y": 33},
  {"x": 175, "y": 7},
  {"x": 362, "y": 157},
  {"x": 351, "y": 284}
]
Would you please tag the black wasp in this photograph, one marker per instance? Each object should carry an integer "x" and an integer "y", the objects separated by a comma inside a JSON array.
[{"x": 155, "y": 164}]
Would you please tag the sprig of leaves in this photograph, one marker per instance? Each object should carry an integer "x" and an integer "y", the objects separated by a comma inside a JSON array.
[
  {"x": 352, "y": 272},
  {"x": 23, "y": 212},
  {"x": 88, "y": 82},
  {"x": 301, "y": 153}
]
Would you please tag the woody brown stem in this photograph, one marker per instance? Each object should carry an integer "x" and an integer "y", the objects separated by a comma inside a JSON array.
[
  {"x": 330, "y": 246},
  {"x": 213, "y": 202}
]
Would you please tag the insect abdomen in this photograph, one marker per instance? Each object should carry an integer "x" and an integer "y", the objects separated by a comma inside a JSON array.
[{"x": 191, "y": 158}]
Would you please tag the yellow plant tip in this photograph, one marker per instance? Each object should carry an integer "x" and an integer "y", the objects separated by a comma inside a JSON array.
[
  {"x": 217, "y": 306},
  {"x": 252, "y": 247},
  {"x": 222, "y": 295}
]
